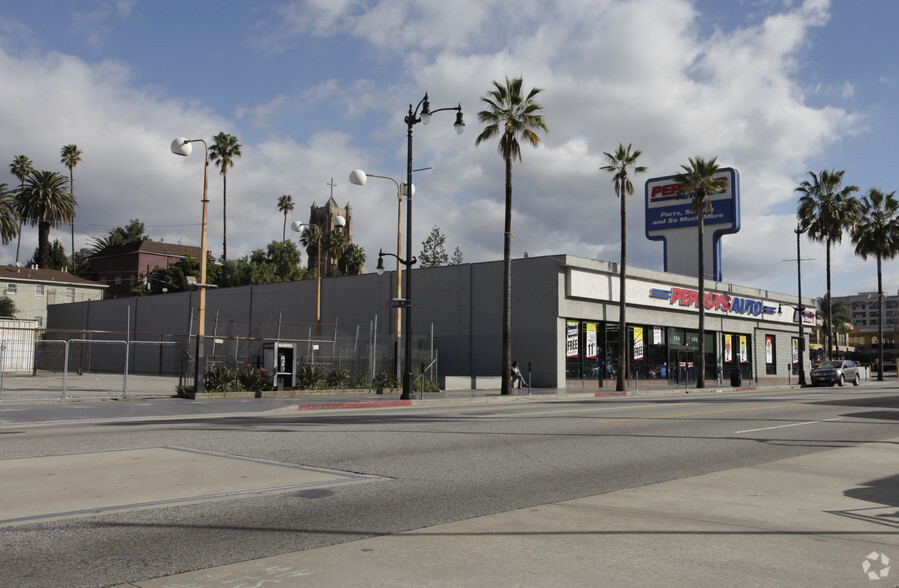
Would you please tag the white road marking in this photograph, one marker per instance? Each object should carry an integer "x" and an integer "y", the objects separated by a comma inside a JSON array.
[{"x": 790, "y": 425}]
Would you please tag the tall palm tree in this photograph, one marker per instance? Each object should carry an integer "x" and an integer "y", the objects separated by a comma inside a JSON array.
[
  {"x": 699, "y": 181},
  {"x": 836, "y": 315},
  {"x": 310, "y": 238},
  {"x": 46, "y": 202},
  {"x": 223, "y": 151},
  {"x": 10, "y": 222},
  {"x": 353, "y": 260},
  {"x": 826, "y": 208},
  {"x": 285, "y": 205},
  {"x": 877, "y": 233},
  {"x": 20, "y": 167},
  {"x": 70, "y": 156},
  {"x": 618, "y": 164},
  {"x": 512, "y": 116},
  {"x": 334, "y": 243}
]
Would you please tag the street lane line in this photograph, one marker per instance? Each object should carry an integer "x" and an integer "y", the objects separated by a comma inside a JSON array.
[
  {"x": 591, "y": 409},
  {"x": 690, "y": 414},
  {"x": 790, "y": 425}
]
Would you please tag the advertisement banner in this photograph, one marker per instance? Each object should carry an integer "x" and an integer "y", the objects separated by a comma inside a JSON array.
[
  {"x": 571, "y": 349},
  {"x": 769, "y": 349},
  {"x": 591, "y": 341},
  {"x": 795, "y": 345},
  {"x": 657, "y": 335},
  {"x": 638, "y": 342},
  {"x": 728, "y": 349},
  {"x": 743, "y": 357}
]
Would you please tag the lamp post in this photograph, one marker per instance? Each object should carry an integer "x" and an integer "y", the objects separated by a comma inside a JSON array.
[
  {"x": 299, "y": 227},
  {"x": 414, "y": 117},
  {"x": 358, "y": 177},
  {"x": 181, "y": 146},
  {"x": 802, "y": 382}
]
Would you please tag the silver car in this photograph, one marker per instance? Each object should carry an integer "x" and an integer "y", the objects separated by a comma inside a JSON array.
[{"x": 835, "y": 372}]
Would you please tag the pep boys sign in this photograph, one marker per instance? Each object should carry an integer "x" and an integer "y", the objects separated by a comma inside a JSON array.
[{"x": 686, "y": 297}]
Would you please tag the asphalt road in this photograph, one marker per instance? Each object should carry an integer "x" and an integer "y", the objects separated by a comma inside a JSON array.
[{"x": 430, "y": 465}]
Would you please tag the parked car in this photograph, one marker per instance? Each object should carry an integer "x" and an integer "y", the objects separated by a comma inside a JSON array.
[{"x": 835, "y": 372}]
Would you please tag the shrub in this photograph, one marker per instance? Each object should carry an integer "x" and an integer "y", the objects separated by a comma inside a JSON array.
[
  {"x": 251, "y": 378},
  {"x": 385, "y": 381},
  {"x": 337, "y": 378},
  {"x": 220, "y": 378},
  {"x": 310, "y": 377}
]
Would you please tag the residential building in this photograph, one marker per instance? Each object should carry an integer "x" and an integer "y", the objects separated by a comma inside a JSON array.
[
  {"x": 122, "y": 267},
  {"x": 32, "y": 290}
]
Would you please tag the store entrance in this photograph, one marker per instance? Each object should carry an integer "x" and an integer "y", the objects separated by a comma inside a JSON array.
[{"x": 682, "y": 359}]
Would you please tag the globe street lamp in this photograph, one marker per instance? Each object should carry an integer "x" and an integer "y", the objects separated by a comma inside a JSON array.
[
  {"x": 299, "y": 227},
  {"x": 182, "y": 146},
  {"x": 358, "y": 177},
  {"x": 420, "y": 114}
]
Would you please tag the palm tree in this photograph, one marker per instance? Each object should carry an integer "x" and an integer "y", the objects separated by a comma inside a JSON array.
[
  {"x": 310, "y": 238},
  {"x": 285, "y": 205},
  {"x": 353, "y": 260},
  {"x": 334, "y": 243},
  {"x": 835, "y": 314},
  {"x": 877, "y": 233},
  {"x": 826, "y": 207},
  {"x": 699, "y": 181},
  {"x": 512, "y": 116},
  {"x": 47, "y": 203},
  {"x": 20, "y": 167},
  {"x": 70, "y": 156},
  {"x": 223, "y": 151},
  {"x": 10, "y": 222},
  {"x": 618, "y": 164}
]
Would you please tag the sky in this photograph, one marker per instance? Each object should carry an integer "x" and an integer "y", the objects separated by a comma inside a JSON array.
[{"x": 314, "y": 89}]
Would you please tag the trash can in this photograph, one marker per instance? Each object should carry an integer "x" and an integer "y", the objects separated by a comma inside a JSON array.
[{"x": 736, "y": 379}]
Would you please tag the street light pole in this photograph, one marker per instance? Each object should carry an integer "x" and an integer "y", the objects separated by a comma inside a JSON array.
[
  {"x": 181, "y": 146},
  {"x": 414, "y": 117},
  {"x": 299, "y": 227},
  {"x": 802, "y": 381}
]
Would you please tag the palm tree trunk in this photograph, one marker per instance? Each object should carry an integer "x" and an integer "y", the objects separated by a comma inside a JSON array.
[
  {"x": 284, "y": 229},
  {"x": 507, "y": 285},
  {"x": 882, "y": 318},
  {"x": 700, "y": 361},
  {"x": 19, "y": 243},
  {"x": 622, "y": 320},
  {"x": 829, "y": 309},
  {"x": 43, "y": 246},
  {"x": 224, "y": 215},
  {"x": 72, "y": 192}
]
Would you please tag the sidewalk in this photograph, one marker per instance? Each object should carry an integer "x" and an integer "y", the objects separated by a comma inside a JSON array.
[{"x": 751, "y": 527}]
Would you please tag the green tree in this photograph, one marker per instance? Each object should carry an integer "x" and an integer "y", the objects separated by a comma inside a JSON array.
[
  {"x": 223, "y": 151},
  {"x": 334, "y": 243},
  {"x": 835, "y": 314},
  {"x": 457, "y": 257},
  {"x": 353, "y": 260},
  {"x": 285, "y": 205},
  {"x": 699, "y": 181},
  {"x": 433, "y": 252},
  {"x": 9, "y": 215},
  {"x": 310, "y": 238},
  {"x": 510, "y": 115},
  {"x": 7, "y": 307},
  {"x": 47, "y": 203},
  {"x": 133, "y": 232},
  {"x": 826, "y": 209},
  {"x": 70, "y": 156},
  {"x": 20, "y": 167},
  {"x": 173, "y": 277},
  {"x": 877, "y": 233},
  {"x": 56, "y": 258},
  {"x": 618, "y": 164}
]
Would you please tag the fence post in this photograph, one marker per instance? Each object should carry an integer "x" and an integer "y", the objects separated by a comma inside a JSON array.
[{"x": 65, "y": 370}]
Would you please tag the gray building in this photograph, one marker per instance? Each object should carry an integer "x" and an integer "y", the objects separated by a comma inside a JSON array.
[{"x": 564, "y": 321}]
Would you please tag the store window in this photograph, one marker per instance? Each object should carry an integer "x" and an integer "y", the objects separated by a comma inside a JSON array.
[{"x": 770, "y": 356}]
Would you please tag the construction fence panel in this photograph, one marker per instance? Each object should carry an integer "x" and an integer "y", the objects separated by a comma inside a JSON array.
[{"x": 37, "y": 369}]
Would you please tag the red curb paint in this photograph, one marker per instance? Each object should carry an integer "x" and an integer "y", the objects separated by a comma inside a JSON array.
[{"x": 375, "y": 404}]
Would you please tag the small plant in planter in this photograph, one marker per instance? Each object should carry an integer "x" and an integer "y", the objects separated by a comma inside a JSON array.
[
  {"x": 251, "y": 378},
  {"x": 310, "y": 377},
  {"x": 220, "y": 378},
  {"x": 385, "y": 381},
  {"x": 337, "y": 378}
]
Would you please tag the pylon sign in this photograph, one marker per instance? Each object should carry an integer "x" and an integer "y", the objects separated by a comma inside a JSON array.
[{"x": 670, "y": 220}]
